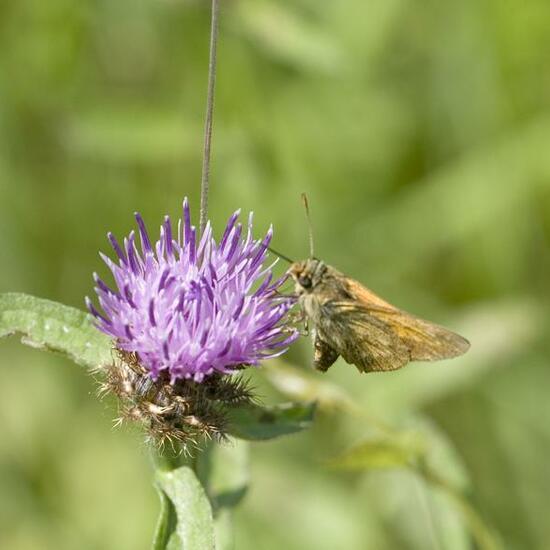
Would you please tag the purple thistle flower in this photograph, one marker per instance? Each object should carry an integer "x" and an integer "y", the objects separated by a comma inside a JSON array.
[{"x": 190, "y": 309}]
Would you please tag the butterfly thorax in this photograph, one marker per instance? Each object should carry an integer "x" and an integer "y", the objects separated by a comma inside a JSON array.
[{"x": 315, "y": 284}]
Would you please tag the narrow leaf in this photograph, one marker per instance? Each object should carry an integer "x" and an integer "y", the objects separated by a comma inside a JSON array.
[
  {"x": 260, "y": 423},
  {"x": 166, "y": 524},
  {"x": 195, "y": 526},
  {"x": 378, "y": 453},
  {"x": 54, "y": 327}
]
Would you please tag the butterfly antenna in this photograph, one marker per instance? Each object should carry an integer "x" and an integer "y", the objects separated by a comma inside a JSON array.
[
  {"x": 282, "y": 256},
  {"x": 309, "y": 225}
]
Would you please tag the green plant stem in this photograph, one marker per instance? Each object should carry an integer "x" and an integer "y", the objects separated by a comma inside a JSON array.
[
  {"x": 482, "y": 534},
  {"x": 170, "y": 459},
  {"x": 425, "y": 501},
  {"x": 205, "y": 179}
]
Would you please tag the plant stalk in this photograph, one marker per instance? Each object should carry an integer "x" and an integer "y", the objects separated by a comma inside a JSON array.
[{"x": 205, "y": 178}]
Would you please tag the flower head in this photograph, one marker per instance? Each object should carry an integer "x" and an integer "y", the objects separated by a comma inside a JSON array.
[{"x": 190, "y": 308}]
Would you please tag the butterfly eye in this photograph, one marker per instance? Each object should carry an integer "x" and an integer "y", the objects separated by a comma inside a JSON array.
[{"x": 305, "y": 281}]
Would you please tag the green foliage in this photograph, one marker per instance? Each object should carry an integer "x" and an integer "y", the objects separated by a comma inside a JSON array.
[
  {"x": 419, "y": 452},
  {"x": 167, "y": 522},
  {"x": 194, "y": 528},
  {"x": 54, "y": 327},
  {"x": 214, "y": 482},
  {"x": 186, "y": 520},
  {"x": 260, "y": 423},
  {"x": 377, "y": 453}
]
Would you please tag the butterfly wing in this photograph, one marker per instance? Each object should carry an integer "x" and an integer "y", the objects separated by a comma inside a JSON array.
[
  {"x": 360, "y": 338},
  {"x": 425, "y": 341},
  {"x": 375, "y": 336},
  {"x": 323, "y": 355}
]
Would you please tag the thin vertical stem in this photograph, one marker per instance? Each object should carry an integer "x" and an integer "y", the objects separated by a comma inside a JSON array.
[
  {"x": 205, "y": 179},
  {"x": 425, "y": 500}
]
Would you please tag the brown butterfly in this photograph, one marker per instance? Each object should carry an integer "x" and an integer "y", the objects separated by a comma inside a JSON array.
[{"x": 368, "y": 332}]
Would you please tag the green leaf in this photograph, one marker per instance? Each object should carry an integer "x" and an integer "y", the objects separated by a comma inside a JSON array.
[
  {"x": 260, "y": 423},
  {"x": 379, "y": 453},
  {"x": 195, "y": 526},
  {"x": 429, "y": 455},
  {"x": 54, "y": 327},
  {"x": 166, "y": 524}
]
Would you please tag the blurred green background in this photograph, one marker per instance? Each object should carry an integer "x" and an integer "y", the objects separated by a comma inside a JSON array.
[{"x": 420, "y": 131}]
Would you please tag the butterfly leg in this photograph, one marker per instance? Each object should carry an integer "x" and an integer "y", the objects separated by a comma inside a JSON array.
[
  {"x": 323, "y": 355},
  {"x": 297, "y": 318},
  {"x": 305, "y": 331}
]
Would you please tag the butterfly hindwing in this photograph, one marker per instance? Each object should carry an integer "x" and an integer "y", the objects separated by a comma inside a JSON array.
[{"x": 323, "y": 355}]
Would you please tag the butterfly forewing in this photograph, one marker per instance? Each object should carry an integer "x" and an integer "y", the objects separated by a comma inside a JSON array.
[
  {"x": 362, "y": 339},
  {"x": 375, "y": 336},
  {"x": 425, "y": 341}
]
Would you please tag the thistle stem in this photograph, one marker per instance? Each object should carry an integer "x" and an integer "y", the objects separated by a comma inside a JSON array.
[{"x": 205, "y": 179}]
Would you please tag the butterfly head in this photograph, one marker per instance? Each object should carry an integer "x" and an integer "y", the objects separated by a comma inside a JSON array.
[{"x": 307, "y": 274}]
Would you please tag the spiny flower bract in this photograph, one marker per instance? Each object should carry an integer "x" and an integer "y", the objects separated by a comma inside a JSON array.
[{"x": 191, "y": 308}]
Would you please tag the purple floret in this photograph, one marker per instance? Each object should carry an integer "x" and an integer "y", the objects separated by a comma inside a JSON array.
[{"x": 191, "y": 310}]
